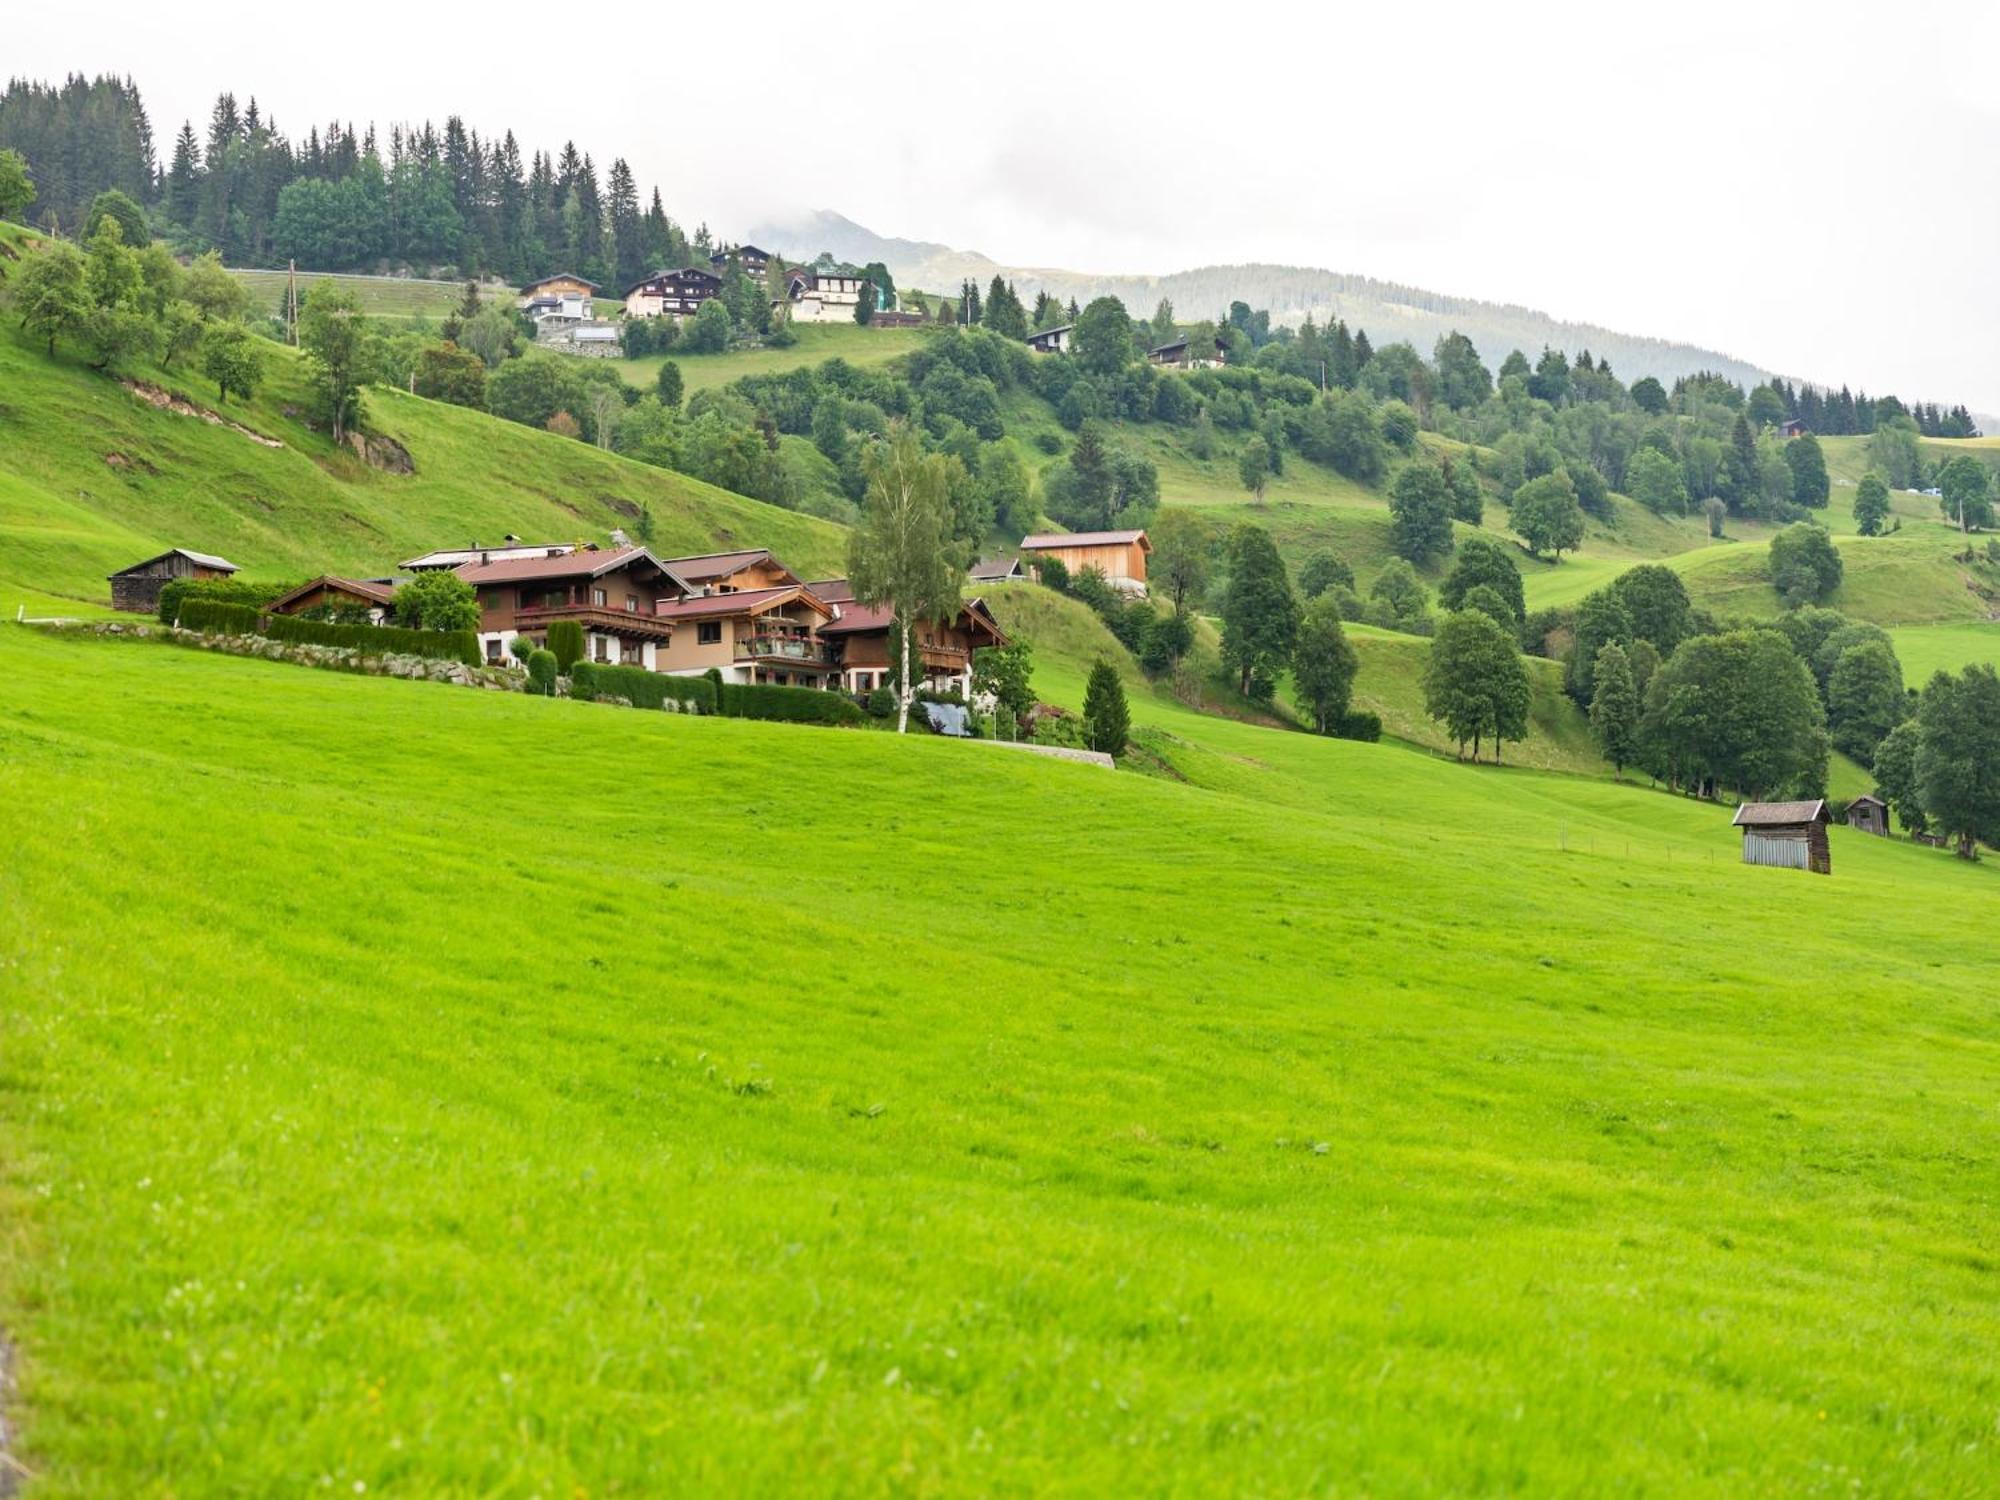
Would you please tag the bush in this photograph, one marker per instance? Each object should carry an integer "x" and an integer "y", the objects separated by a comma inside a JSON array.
[
  {"x": 542, "y": 672},
  {"x": 787, "y": 704},
  {"x": 566, "y": 643},
  {"x": 378, "y": 640},
  {"x": 177, "y": 591},
  {"x": 882, "y": 704},
  {"x": 1356, "y": 724},
  {"x": 1053, "y": 573},
  {"x": 522, "y": 648},
  {"x": 219, "y": 617},
  {"x": 641, "y": 688}
]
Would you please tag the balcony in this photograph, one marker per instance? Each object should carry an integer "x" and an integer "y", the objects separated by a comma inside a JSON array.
[
  {"x": 802, "y": 651},
  {"x": 595, "y": 617},
  {"x": 944, "y": 657}
]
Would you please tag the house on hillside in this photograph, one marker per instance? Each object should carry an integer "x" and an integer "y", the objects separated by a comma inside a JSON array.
[
  {"x": 756, "y": 263},
  {"x": 1178, "y": 356},
  {"x": 556, "y": 290},
  {"x": 1119, "y": 555},
  {"x": 349, "y": 600},
  {"x": 821, "y": 296},
  {"x": 137, "y": 588},
  {"x": 859, "y": 636},
  {"x": 614, "y": 594},
  {"x": 1786, "y": 835},
  {"x": 1052, "y": 340},
  {"x": 1870, "y": 814},
  {"x": 997, "y": 570},
  {"x": 553, "y": 312},
  {"x": 509, "y": 550},
  {"x": 671, "y": 294},
  {"x": 749, "y": 617},
  {"x": 1792, "y": 427}
]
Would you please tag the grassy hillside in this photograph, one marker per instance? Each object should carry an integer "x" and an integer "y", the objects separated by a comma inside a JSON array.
[
  {"x": 396, "y": 298},
  {"x": 861, "y": 347},
  {"x": 93, "y": 478},
  {"x": 375, "y": 1140}
]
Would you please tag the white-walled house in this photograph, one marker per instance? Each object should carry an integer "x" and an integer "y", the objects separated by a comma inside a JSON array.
[{"x": 823, "y": 296}]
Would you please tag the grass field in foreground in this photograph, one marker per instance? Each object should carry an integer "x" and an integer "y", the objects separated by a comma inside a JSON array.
[{"x": 453, "y": 1093}]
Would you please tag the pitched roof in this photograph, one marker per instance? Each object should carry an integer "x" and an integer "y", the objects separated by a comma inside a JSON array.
[
  {"x": 660, "y": 275},
  {"x": 199, "y": 559},
  {"x": 1168, "y": 348},
  {"x": 439, "y": 557},
  {"x": 1778, "y": 814},
  {"x": 559, "y": 276},
  {"x": 856, "y": 618},
  {"x": 569, "y": 565},
  {"x": 1042, "y": 333},
  {"x": 1045, "y": 540},
  {"x": 1867, "y": 797},
  {"x": 993, "y": 569},
  {"x": 745, "y": 602},
  {"x": 379, "y": 593},
  {"x": 832, "y": 590},
  {"x": 706, "y": 565}
]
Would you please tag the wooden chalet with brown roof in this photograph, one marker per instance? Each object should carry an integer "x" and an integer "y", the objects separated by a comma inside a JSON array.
[
  {"x": 338, "y": 599},
  {"x": 671, "y": 294},
  {"x": 1119, "y": 555},
  {"x": 613, "y": 594},
  {"x": 756, "y": 263},
  {"x": 748, "y": 617},
  {"x": 446, "y": 558},
  {"x": 859, "y": 636},
  {"x": 137, "y": 588},
  {"x": 562, "y": 284}
]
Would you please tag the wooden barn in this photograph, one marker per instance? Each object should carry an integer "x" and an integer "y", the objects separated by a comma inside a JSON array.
[
  {"x": 1870, "y": 814},
  {"x": 137, "y": 588},
  {"x": 1786, "y": 835}
]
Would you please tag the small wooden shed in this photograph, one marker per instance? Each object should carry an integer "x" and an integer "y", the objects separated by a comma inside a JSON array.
[
  {"x": 1786, "y": 835},
  {"x": 137, "y": 588},
  {"x": 1870, "y": 814}
]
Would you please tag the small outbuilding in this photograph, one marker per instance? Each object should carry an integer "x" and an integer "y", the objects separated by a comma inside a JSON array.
[
  {"x": 1870, "y": 814},
  {"x": 137, "y": 588},
  {"x": 1786, "y": 835},
  {"x": 332, "y": 598}
]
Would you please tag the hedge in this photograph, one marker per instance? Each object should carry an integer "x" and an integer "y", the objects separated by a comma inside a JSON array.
[
  {"x": 213, "y": 617},
  {"x": 643, "y": 689},
  {"x": 1357, "y": 724},
  {"x": 790, "y": 704},
  {"x": 378, "y": 640},
  {"x": 176, "y": 592}
]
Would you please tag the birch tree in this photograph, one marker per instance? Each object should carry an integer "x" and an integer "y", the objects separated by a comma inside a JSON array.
[{"x": 901, "y": 554}]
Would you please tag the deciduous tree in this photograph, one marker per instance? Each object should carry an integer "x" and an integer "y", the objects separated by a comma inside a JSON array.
[
  {"x": 899, "y": 554},
  {"x": 1957, "y": 760},
  {"x": 1546, "y": 515},
  {"x": 1475, "y": 684},
  {"x": 1614, "y": 706},
  {"x": 1260, "y": 615},
  {"x": 1323, "y": 664},
  {"x": 1420, "y": 503}
]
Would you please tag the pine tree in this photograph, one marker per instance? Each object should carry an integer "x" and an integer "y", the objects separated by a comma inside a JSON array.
[{"x": 1107, "y": 719}]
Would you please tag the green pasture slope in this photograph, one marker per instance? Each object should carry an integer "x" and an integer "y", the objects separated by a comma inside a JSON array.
[
  {"x": 508, "y": 1096},
  {"x": 864, "y": 348},
  {"x": 395, "y": 298},
  {"x": 92, "y": 478}
]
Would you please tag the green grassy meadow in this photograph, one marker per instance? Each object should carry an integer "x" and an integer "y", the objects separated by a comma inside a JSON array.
[
  {"x": 864, "y": 348},
  {"x": 395, "y": 298},
  {"x": 380, "y": 1140}
]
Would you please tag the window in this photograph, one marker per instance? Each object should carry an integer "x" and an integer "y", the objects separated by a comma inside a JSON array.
[
  {"x": 493, "y": 648},
  {"x": 631, "y": 653},
  {"x": 708, "y": 633},
  {"x": 600, "y": 648},
  {"x": 599, "y": 598},
  {"x": 631, "y": 604}
]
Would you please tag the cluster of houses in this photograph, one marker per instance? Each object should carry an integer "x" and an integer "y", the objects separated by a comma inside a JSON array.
[{"x": 743, "y": 614}]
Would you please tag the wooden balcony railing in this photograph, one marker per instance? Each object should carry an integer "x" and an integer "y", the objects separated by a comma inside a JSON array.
[{"x": 596, "y": 617}]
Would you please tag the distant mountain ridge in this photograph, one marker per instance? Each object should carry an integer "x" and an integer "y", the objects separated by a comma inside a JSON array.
[{"x": 1388, "y": 310}]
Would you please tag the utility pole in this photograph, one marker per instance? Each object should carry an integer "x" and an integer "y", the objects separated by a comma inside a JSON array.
[{"x": 292, "y": 303}]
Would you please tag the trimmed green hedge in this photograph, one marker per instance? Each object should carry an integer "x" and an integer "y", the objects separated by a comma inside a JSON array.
[
  {"x": 176, "y": 592},
  {"x": 789, "y": 704},
  {"x": 213, "y": 617},
  {"x": 1357, "y": 724},
  {"x": 378, "y": 640},
  {"x": 643, "y": 688}
]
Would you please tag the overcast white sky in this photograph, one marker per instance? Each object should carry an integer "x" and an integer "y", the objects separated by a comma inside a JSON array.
[{"x": 1812, "y": 188}]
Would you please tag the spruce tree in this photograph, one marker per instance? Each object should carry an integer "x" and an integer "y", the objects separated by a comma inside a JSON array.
[{"x": 1107, "y": 721}]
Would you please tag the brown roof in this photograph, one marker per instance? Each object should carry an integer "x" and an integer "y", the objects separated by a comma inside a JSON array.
[
  {"x": 569, "y": 565},
  {"x": 1084, "y": 539},
  {"x": 1868, "y": 797},
  {"x": 993, "y": 569},
  {"x": 1779, "y": 814},
  {"x": 200, "y": 559},
  {"x": 856, "y": 618},
  {"x": 706, "y": 565},
  {"x": 832, "y": 590},
  {"x": 559, "y": 276},
  {"x": 745, "y": 602},
  {"x": 377, "y": 593}
]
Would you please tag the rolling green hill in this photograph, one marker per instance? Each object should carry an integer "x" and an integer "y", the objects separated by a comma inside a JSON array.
[{"x": 1304, "y": 1115}]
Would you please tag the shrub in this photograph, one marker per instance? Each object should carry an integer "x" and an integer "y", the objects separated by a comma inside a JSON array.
[
  {"x": 177, "y": 591},
  {"x": 219, "y": 617},
  {"x": 882, "y": 704},
  {"x": 542, "y": 672},
  {"x": 1053, "y": 573},
  {"x": 1356, "y": 724},
  {"x": 566, "y": 643},
  {"x": 522, "y": 647},
  {"x": 788, "y": 704},
  {"x": 641, "y": 688},
  {"x": 378, "y": 640}
]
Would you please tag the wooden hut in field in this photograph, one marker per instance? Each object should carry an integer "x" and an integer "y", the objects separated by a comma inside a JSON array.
[
  {"x": 1786, "y": 835},
  {"x": 137, "y": 588},
  {"x": 1870, "y": 814}
]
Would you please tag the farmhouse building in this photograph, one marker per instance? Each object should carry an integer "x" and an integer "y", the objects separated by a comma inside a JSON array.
[
  {"x": 1119, "y": 555},
  {"x": 1052, "y": 340},
  {"x": 1870, "y": 814},
  {"x": 997, "y": 570},
  {"x": 346, "y": 599},
  {"x": 562, "y": 284},
  {"x": 137, "y": 588},
  {"x": 613, "y": 594},
  {"x": 822, "y": 296},
  {"x": 1787, "y": 835},
  {"x": 1792, "y": 427},
  {"x": 552, "y": 311},
  {"x": 758, "y": 635},
  {"x": 671, "y": 294},
  {"x": 859, "y": 636},
  {"x": 756, "y": 263}
]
